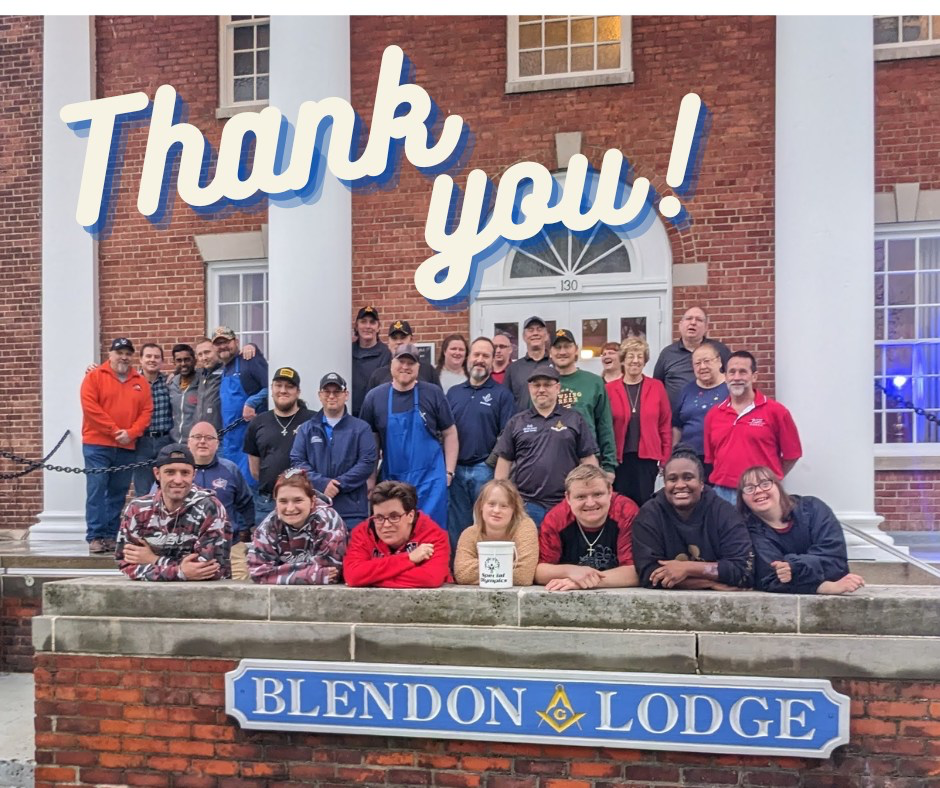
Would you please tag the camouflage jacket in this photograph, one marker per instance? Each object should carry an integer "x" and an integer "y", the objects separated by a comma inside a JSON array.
[
  {"x": 199, "y": 526},
  {"x": 283, "y": 555}
]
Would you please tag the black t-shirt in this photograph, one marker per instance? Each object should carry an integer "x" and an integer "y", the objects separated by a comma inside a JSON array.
[
  {"x": 265, "y": 438},
  {"x": 631, "y": 441},
  {"x": 597, "y": 549}
]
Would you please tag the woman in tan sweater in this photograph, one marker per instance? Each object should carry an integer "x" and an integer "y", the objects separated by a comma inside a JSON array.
[{"x": 498, "y": 516}]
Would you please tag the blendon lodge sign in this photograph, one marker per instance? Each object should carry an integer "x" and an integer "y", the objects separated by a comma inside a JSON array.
[
  {"x": 264, "y": 154},
  {"x": 653, "y": 711}
]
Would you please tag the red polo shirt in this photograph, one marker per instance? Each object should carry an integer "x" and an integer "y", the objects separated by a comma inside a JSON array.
[{"x": 764, "y": 434}]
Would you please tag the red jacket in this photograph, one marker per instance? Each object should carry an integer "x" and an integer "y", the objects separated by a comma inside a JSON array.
[
  {"x": 655, "y": 419},
  {"x": 108, "y": 405},
  {"x": 370, "y": 562},
  {"x": 622, "y": 511}
]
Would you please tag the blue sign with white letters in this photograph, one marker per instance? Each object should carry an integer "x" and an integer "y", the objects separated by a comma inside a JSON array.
[{"x": 660, "y": 711}]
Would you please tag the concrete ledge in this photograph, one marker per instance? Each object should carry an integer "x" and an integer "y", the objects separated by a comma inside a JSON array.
[{"x": 894, "y": 610}]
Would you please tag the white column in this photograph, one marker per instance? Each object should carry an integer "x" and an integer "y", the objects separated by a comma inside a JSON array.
[
  {"x": 310, "y": 246},
  {"x": 69, "y": 273},
  {"x": 824, "y": 237}
]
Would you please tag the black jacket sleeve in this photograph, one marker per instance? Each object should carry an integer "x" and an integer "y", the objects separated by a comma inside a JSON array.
[
  {"x": 736, "y": 553},
  {"x": 826, "y": 558},
  {"x": 649, "y": 546}
]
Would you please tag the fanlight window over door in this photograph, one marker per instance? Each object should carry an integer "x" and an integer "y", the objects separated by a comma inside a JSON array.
[{"x": 556, "y": 251}]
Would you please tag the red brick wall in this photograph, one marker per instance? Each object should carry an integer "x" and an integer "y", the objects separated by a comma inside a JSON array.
[
  {"x": 16, "y": 640},
  {"x": 461, "y": 62},
  {"x": 160, "y": 722},
  {"x": 20, "y": 251},
  {"x": 907, "y": 150}
]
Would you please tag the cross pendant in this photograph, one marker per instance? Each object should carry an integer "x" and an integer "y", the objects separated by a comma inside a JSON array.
[
  {"x": 284, "y": 431},
  {"x": 590, "y": 550}
]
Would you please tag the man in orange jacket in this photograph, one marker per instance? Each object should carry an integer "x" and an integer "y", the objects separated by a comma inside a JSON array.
[{"x": 116, "y": 408}]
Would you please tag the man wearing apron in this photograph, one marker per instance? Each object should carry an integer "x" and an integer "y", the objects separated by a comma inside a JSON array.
[
  {"x": 243, "y": 392},
  {"x": 407, "y": 415}
]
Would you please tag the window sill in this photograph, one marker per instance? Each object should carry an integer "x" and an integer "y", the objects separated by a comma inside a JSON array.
[
  {"x": 566, "y": 82},
  {"x": 907, "y": 51},
  {"x": 228, "y": 112},
  {"x": 899, "y": 462}
]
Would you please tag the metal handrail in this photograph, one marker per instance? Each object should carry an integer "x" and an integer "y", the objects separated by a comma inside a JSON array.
[{"x": 893, "y": 550}]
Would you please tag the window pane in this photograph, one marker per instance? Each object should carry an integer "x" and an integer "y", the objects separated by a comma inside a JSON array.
[
  {"x": 901, "y": 289},
  {"x": 879, "y": 255},
  {"x": 879, "y": 395},
  {"x": 262, "y": 88},
  {"x": 530, "y": 18},
  {"x": 244, "y": 63},
  {"x": 556, "y": 33},
  {"x": 240, "y": 18},
  {"x": 252, "y": 317},
  {"x": 914, "y": 29},
  {"x": 900, "y": 324},
  {"x": 550, "y": 326},
  {"x": 879, "y": 324},
  {"x": 254, "y": 287},
  {"x": 878, "y": 436},
  {"x": 244, "y": 37},
  {"x": 899, "y": 360},
  {"x": 582, "y": 31},
  {"x": 927, "y": 431},
  {"x": 879, "y": 290},
  {"x": 928, "y": 325},
  {"x": 593, "y": 336},
  {"x": 556, "y": 61},
  {"x": 886, "y": 30},
  {"x": 608, "y": 28},
  {"x": 244, "y": 90},
  {"x": 582, "y": 58},
  {"x": 228, "y": 316},
  {"x": 901, "y": 255},
  {"x": 879, "y": 365},
  {"x": 512, "y": 329},
  {"x": 264, "y": 35},
  {"x": 530, "y": 64},
  {"x": 228, "y": 289},
  {"x": 898, "y": 428},
  {"x": 632, "y": 327},
  {"x": 255, "y": 338},
  {"x": 530, "y": 36},
  {"x": 929, "y": 254},
  {"x": 264, "y": 57},
  {"x": 608, "y": 56},
  {"x": 935, "y": 27}
]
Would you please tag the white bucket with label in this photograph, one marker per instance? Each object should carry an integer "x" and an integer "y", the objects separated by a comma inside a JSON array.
[{"x": 496, "y": 561}]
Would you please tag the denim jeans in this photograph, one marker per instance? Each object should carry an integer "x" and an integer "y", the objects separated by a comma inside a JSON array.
[
  {"x": 730, "y": 494},
  {"x": 462, "y": 495},
  {"x": 537, "y": 512},
  {"x": 264, "y": 505},
  {"x": 147, "y": 449},
  {"x": 105, "y": 492}
]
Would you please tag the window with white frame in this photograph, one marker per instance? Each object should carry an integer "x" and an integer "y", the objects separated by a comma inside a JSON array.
[
  {"x": 238, "y": 298},
  {"x": 909, "y": 36},
  {"x": 244, "y": 62},
  {"x": 549, "y": 52},
  {"x": 907, "y": 340}
]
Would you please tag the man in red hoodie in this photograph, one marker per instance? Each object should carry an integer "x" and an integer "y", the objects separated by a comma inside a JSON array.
[
  {"x": 398, "y": 547},
  {"x": 116, "y": 409}
]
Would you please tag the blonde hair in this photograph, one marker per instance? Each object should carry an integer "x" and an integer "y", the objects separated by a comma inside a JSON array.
[
  {"x": 634, "y": 344},
  {"x": 586, "y": 473},
  {"x": 515, "y": 501}
]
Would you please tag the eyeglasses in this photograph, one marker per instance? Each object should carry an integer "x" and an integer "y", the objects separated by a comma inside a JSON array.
[
  {"x": 203, "y": 438},
  {"x": 750, "y": 489},
  {"x": 703, "y": 362},
  {"x": 502, "y": 347},
  {"x": 394, "y": 519},
  {"x": 331, "y": 392}
]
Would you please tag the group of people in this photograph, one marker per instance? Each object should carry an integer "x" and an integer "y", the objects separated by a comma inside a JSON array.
[{"x": 434, "y": 459}]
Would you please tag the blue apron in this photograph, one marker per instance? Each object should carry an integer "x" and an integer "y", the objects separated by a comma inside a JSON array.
[
  {"x": 233, "y": 399},
  {"x": 412, "y": 454}
]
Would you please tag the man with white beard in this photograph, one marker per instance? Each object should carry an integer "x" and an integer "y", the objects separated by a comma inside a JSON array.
[{"x": 481, "y": 409}]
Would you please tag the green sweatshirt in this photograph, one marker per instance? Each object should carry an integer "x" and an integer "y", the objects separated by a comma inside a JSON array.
[{"x": 585, "y": 392}]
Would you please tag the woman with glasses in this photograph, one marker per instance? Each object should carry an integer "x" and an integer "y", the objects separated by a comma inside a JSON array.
[
  {"x": 697, "y": 398},
  {"x": 798, "y": 542},
  {"x": 398, "y": 546},
  {"x": 302, "y": 542}
]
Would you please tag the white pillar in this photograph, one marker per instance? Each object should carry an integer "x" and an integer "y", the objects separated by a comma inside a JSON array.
[
  {"x": 824, "y": 237},
  {"x": 310, "y": 246},
  {"x": 69, "y": 273}
]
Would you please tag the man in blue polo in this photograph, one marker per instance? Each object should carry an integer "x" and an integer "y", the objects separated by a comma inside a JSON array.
[
  {"x": 481, "y": 409},
  {"x": 243, "y": 393}
]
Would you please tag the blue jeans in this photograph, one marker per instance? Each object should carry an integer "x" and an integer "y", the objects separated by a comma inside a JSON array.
[
  {"x": 537, "y": 512},
  {"x": 264, "y": 505},
  {"x": 730, "y": 494},
  {"x": 147, "y": 449},
  {"x": 105, "y": 492},
  {"x": 462, "y": 495}
]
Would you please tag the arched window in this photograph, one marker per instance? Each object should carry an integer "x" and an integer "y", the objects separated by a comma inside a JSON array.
[{"x": 556, "y": 251}]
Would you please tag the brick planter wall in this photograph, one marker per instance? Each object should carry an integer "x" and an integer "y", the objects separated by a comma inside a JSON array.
[
  {"x": 161, "y": 722},
  {"x": 18, "y": 605}
]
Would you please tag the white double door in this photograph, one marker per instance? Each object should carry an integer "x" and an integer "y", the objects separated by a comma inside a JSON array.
[{"x": 594, "y": 321}]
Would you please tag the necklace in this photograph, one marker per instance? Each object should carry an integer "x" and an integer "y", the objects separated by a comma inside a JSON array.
[
  {"x": 634, "y": 401},
  {"x": 285, "y": 426},
  {"x": 588, "y": 542}
]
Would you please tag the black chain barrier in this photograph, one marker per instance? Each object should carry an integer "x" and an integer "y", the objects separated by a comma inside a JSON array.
[
  {"x": 899, "y": 400},
  {"x": 35, "y": 465}
]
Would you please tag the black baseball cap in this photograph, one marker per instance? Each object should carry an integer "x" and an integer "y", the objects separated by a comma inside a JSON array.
[
  {"x": 534, "y": 319},
  {"x": 367, "y": 311},
  {"x": 287, "y": 374},
  {"x": 174, "y": 452},
  {"x": 400, "y": 327},
  {"x": 544, "y": 371},
  {"x": 408, "y": 350},
  {"x": 122, "y": 343},
  {"x": 332, "y": 378},
  {"x": 563, "y": 335}
]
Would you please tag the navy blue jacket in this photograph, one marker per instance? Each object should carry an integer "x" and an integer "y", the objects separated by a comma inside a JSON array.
[
  {"x": 814, "y": 546},
  {"x": 350, "y": 458},
  {"x": 224, "y": 480}
]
